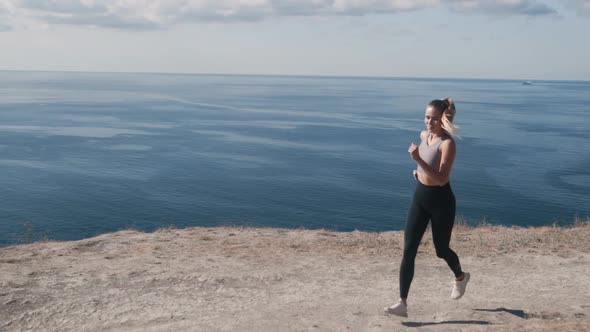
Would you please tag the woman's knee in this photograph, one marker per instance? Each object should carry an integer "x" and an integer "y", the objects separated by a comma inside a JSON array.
[
  {"x": 442, "y": 253},
  {"x": 410, "y": 253}
]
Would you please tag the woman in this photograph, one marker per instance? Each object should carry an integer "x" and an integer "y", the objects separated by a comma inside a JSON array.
[{"x": 433, "y": 200}]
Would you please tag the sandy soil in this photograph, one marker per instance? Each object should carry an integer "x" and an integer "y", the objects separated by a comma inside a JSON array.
[{"x": 265, "y": 279}]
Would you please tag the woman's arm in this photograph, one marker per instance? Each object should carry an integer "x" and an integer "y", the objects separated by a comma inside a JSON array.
[
  {"x": 423, "y": 136},
  {"x": 448, "y": 151}
]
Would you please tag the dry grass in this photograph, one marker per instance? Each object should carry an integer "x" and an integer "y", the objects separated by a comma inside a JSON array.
[
  {"x": 500, "y": 239},
  {"x": 468, "y": 239}
]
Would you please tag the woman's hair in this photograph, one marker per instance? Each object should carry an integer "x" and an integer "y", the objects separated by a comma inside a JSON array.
[{"x": 447, "y": 108}]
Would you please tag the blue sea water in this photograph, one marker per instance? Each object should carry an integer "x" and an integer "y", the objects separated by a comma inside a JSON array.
[{"x": 87, "y": 153}]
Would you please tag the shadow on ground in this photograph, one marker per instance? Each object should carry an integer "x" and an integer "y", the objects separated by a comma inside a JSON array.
[
  {"x": 465, "y": 322},
  {"x": 515, "y": 312}
]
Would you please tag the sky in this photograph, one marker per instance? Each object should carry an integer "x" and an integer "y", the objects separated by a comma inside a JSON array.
[{"x": 503, "y": 39}]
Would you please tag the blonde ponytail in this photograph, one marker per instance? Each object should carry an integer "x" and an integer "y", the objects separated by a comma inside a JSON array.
[{"x": 448, "y": 115}]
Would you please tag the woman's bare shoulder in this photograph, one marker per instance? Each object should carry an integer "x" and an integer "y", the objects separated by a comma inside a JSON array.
[
  {"x": 448, "y": 143},
  {"x": 423, "y": 134}
]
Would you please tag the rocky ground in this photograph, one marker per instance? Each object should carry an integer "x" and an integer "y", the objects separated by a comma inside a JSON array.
[{"x": 267, "y": 279}]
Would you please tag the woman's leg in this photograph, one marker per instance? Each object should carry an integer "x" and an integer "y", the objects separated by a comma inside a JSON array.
[
  {"x": 415, "y": 228},
  {"x": 443, "y": 219}
]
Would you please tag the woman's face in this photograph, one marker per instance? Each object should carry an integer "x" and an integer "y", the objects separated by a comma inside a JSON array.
[{"x": 432, "y": 120}]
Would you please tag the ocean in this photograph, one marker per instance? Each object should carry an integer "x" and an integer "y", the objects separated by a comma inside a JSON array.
[{"x": 82, "y": 154}]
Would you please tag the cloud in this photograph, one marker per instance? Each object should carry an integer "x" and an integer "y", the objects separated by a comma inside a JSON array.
[
  {"x": 4, "y": 16},
  {"x": 155, "y": 14},
  {"x": 503, "y": 7},
  {"x": 103, "y": 20},
  {"x": 583, "y": 7},
  {"x": 148, "y": 14}
]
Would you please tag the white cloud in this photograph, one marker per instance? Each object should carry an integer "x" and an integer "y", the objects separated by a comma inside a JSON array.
[
  {"x": 510, "y": 7},
  {"x": 155, "y": 14}
]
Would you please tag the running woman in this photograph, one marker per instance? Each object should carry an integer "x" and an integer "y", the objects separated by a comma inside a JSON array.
[{"x": 433, "y": 200}]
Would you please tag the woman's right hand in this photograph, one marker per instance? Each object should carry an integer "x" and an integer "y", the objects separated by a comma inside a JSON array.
[{"x": 414, "y": 152}]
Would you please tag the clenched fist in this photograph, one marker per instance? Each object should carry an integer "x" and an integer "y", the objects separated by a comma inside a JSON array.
[{"x": 414, "y": 153}]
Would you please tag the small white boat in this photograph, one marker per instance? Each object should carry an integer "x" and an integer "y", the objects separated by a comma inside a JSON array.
[{"x": 527, "y": 83}]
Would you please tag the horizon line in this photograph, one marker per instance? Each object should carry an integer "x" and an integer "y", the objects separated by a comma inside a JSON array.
[{"x": 295, "y": 75}]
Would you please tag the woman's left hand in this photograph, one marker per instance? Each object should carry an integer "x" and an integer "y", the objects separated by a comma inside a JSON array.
[{"x": 414, "y": 152}]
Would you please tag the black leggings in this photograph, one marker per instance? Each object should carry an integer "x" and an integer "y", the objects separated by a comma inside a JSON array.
[{"x": 437, "y": 204}]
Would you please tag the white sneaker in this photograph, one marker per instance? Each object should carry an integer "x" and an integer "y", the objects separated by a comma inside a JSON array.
[
  {"x": 398, "y": 309},
  {"x": 459, "y": 287}
]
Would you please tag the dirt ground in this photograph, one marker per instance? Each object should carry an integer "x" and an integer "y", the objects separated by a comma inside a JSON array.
[{"x": 268, "y": 279}]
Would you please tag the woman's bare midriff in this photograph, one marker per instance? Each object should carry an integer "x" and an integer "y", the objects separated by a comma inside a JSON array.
[{"x": 428, "y": 181}]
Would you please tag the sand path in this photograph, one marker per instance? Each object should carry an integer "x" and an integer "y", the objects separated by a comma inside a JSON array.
[{"x": 221, "y": 279}]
